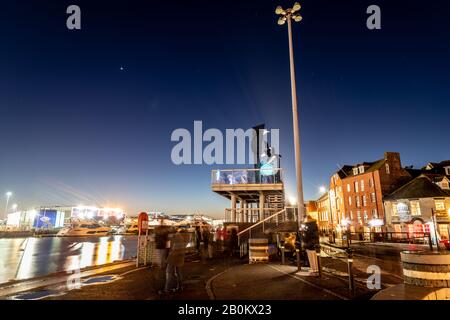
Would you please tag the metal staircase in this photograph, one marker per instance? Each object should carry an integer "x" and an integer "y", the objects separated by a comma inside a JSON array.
[{"x": 284, "y": 220}]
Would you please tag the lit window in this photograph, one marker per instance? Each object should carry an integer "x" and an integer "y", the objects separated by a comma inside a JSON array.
[
  {"x": 366, "y": 217},
  {"x": 440, "y": 205},
  {"x": 444, "y": 185},
  {"x": 394, "y": 210},
  {"x": 362, "y": 185},
  {"x": 350, "y": 201},
  {"x": 358, "y": 204},
  {"x": 364, "y": 201},
  {"x": 361, "y": 169},
  {"x": 447, "y": 171},
  {"x": 402, "y": 208},
  {"x": 387, "y": 169},
  {"x": 415, "y": 208},
  {"x": 355, "y": 171},
  {"x": 374, "y": 214},
  {"x": 371, "y": 183},
  {"x": 348, "y": 187},
  {"x": 356, "y": 186},
  {"x": 372, "y": 197}
]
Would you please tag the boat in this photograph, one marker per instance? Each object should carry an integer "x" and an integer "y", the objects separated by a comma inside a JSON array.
[{"x": 84, "y": 228}]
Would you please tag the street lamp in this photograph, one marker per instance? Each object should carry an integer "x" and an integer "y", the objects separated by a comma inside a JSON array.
[
  {"x": 289, "y": 15},
  {"x": 8, "y": 195},
  {"x": 14, "y": 206}
]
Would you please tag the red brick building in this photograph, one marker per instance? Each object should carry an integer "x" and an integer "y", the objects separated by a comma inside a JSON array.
[{"x": 356, "y": 192}]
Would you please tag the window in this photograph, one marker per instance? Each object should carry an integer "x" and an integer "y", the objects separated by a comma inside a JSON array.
[
  {"x": 374, "y": 214},
  {"x": 440, "y": 205},
  {"x": 358, "y": 204},
  {"x": 361, "y": 169},
  {"x": 358, "y": 215},
  {"x": 356, "y": 186},
  {"x": 371, "y": 182},
  {"x": 402, "y": 208},
  {"x": 355, "y": 171},
  {"x": 351, "y": 215},
  {"x": 362, "y": 185},
  {"x": 447, "y": 171},
  {"x": 394, "y": 209},
  {"x": 372, "y": 197},
  {"x": 349, "y": 201},
  {"x": 387, "y": 168},
  {"x": 444, "y": 185},
  {"x": 415, "y": 208},
  {"x": 364, "y": 201},
  {"x": 348, "y": 187},
  {"x": 366, "y": 217}
]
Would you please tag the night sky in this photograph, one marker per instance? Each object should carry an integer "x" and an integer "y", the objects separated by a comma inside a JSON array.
[{"x": 86, "y": 116}]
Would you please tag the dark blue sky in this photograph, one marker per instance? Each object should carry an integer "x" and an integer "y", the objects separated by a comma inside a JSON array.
[{"x": 75, "y": 128}]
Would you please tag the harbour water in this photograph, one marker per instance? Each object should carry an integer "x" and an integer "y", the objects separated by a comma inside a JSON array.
[{"x": 24, "y": 258}]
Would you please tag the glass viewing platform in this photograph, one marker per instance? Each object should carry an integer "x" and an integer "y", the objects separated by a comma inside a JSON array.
[{"x": 233, "y": 177}]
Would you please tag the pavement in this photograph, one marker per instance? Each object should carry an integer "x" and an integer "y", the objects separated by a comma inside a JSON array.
[
  {"x": 410, "y": 292},
  {"x": 226, "y": 278},
  {"x": 221, "y": 278}
]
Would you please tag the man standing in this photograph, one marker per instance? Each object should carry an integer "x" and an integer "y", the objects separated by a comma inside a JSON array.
[
  {"x": 311, "y": 242},
  {"x": 175, "y": 261}
]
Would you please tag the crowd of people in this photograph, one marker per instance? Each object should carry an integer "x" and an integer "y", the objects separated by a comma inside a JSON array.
[
  {"x": 172, "y": 245},
  {"x": 210, "y": 243}
]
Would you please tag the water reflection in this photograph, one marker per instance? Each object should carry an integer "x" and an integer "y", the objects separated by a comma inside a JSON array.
[{"x": 31, "y": 257}]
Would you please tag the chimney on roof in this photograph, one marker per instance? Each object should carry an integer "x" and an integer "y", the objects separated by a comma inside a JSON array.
[{"x": 393, "y": 159}]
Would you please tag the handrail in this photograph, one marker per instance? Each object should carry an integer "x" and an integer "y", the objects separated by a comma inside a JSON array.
[{"x": 261, "y": 221}]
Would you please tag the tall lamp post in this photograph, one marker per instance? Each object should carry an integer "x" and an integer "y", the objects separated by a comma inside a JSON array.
[
  {"x": 8, "y": 195},
  {"x": 289, "y": 15}
]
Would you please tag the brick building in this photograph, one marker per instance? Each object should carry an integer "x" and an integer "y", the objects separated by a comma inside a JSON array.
[
  {"x": 323, "y": 214},
  {"x": 357, "y": 191}
]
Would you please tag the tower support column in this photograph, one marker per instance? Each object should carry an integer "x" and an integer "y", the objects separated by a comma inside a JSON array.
[
  {"x": 233, "y": 208},
  {"x": 261, "y": 206}
]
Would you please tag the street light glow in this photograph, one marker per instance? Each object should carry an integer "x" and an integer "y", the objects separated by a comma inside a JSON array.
[
  {"x": 8, "y": 194},
  {"x": 292, "y": 200}
]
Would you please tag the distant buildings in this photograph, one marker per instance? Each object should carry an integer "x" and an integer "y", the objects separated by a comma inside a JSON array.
[
  {"x": 384, "y": 196},
  {"x": 417, "y": 206},
  {"x": 56, "y": 216}
]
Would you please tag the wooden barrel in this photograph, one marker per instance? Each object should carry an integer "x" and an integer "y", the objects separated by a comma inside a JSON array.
[
  {"x": 426, "y": 268},
  {"x": 258, "y": 250}
]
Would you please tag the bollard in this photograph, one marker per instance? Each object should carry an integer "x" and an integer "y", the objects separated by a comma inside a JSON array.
[
  {"x": 282, "y": 255},
  {"x": 299, "y": 265},
  {"x": 319, "y": 265},
  {"x": 351, "y": 280},
  {"x": 430, "y": 242}
]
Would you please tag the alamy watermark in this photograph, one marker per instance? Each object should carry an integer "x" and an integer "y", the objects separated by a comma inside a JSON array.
[
  {"x": 374, "y": 280},
  {"x": 235, "y": 146}
]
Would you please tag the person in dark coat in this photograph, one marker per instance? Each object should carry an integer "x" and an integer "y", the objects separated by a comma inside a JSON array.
[
  {"x": 311, "y": 242},
  {"x": 198, "y": 238},
  {"x": 161, "y": 239},
  {"x": 233, "y": 244}
]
